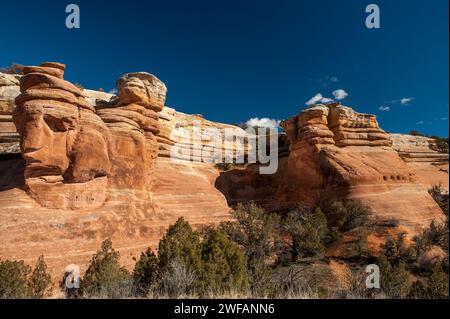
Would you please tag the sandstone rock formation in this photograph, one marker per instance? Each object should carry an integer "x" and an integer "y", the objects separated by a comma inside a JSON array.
[
  {"x": 133, "y": 125},
  {"x": 96, "y": 166},
  {"x": 9, "y": 89},
  {"x": 90, "y": 162},
  {"x": 74, "y": 152},
  {"x": 193, "y": 138},
  {"x": 417, "y": 149},
  {"x": 338, "y": 153},
  {"x": 332, "y": 146},
  {"x": 63, "y": 141}
]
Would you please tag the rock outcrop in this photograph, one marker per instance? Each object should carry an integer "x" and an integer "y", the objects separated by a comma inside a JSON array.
[
  {"x": 9, "y": 89},
  {"x": 63, "y": 141},
  {"x": 332, "y": 146},
  {"x": 193, "y": 138},
  {"x": 417, "y": 149},
  {"x": 337, "y": 153},
  {"x": 74, "y": 152},
  {"x": 94, "y": 165},
  {"x": 133, "y": 124}
]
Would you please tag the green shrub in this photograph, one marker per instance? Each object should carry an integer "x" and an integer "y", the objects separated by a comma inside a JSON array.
[
  {"x": 14, "y": 68},
  {"x": 41, "y": 280},
  {"x": 437, "y": 284},
  {"x": 394, "y": 278},
  {"x": 433, "y": 287},
  {"x": 79, "y": 85},
  {"x": 306, "y": 232},
  {"x": 415, "y": 133},
  {"x": 182, "y": 244},
  {"x": 440, "y": 196},
  {"x": 349, "y": 214},
  {"x": 14, "y": 279},
  {"x": 224, "y": 264},
  {"x": 437, "y": 234},
  {"x": 105, "y": 278},
  {"x": 255, "y": 231},
  {"x": 145, "y": 273},
  {"x": 440, "y": 144},
  {"x": 361, "y": 244},
  {"x": 396, "y": 251}
]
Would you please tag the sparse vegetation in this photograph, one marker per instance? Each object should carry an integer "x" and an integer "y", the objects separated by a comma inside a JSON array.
[
  {"x": 180, "y": 243},
  {"x": 145, "y": 273},
  {"x": 14, "y": 279},
  {"x": 440, "y": 143},
  {"x": 257, "y": 255},
  {"x": 18, "y": 280},
  {"x": 306, "y": 231},
  {"x": 224, "y": 264},
  {"x": 79, "y": 85},
  {"x": 347, "y": 215},
  {"x": 105, "y": 278},
  {"x": 255, "y": 231},
  {"x": 41, "y": 281},
  {"x": 14, "y": 68}
]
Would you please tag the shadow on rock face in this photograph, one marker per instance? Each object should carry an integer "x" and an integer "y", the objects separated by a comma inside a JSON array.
[{"x": 12, "y": 167}]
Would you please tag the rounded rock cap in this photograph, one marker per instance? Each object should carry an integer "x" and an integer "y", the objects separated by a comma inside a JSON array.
[{"x": 55, "y": 65}]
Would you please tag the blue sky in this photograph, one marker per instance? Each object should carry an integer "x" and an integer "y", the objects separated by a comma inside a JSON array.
[{"x": 234, "y": 60}]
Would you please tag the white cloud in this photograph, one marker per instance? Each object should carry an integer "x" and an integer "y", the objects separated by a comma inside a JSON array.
[
  {"x": 340, "y": 94},
  {"x": 315, "y": 99},
  {"x": 384, "y": 108},
  {"x": 420, "y": 123},
  {"x": 326, "y": 100},
  {"x": 263, "y": 122},
  {"x": 319, "y": 98},
  {"x": 444, "y": 118},
  {"x": 406, "y": 100}
]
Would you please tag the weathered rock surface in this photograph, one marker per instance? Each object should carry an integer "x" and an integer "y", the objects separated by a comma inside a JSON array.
[
  {"x": 64, "y": 143},
  {"x": 193, "y": 138},
  {"x": 75, "y": 152},
  {"x": 96, "y": 166},
  {"x": 9, "y": 89},
  {"x": 338, "y": 153},
  {"x": 417, "y": 149}
]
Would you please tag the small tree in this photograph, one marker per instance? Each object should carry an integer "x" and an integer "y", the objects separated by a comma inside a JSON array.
[
  {"x": 434, "y": 286},
  {"x": 348, "y": 214},
  {"x": 254, "y": 230},
  {"x": 306, "y": 231},
  {"x": 41, "y": 280},
  {"x": 145, "y": 273},
  {"x": 14, "y": 279},
  {"x": 415, "y": 133},
  {"x": 361, "y": 244},
  {"x": 396, "y": 251},
  {"x": 182, "y": 244},
  {"x": 224, "y": 264},
  {"x": 394, "y": 278},
  {"x": 440, "y": 196},
  {"x": 105, "y": 278},
  {"x": 14, "y": 68},
  {"x": 437, "y": 284}
]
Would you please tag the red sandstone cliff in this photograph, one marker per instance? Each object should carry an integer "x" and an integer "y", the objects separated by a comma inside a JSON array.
[{"x": 92, "y": 166}]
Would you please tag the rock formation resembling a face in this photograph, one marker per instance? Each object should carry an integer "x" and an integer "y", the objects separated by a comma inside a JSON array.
[
  {"x": 74, "y": 153},
  {"x": 63, "y": 141}
]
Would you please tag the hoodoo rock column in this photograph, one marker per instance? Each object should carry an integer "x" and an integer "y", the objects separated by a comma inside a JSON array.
[{"x": 75, "y": 154}]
